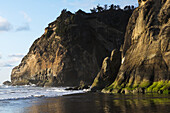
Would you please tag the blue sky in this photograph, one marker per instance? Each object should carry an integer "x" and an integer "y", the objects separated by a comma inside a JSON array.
[{"x": 23, "y": 21}]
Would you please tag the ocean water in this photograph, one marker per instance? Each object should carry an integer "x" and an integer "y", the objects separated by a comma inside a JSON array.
[
  {"x": 14, "y": 99},
  {"x": 31, "y": 99},
  {"x": 28, "y": 92}
]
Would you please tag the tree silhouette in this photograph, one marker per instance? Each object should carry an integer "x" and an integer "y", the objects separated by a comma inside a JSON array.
[
  {"x": 94, "y": 10},
  {"x": 114, "y": 7},
  {"x": 128, "y": 7},
  {"x": 99, "y": 8},
  {"x": 105, "y": 7},
  {"x": 117, "y": 7},
  {"x": 111, "y": 6},
  {"x": 132, "y": 7}
]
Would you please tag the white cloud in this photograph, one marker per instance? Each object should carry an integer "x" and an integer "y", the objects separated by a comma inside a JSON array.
[
  {"x": 19, "y": 55},
  {"x": 4, "y": 24},
  {"x": 14, "y": 58},
  {"x": 0, "y": 56},
  {"x": 10, "y": 63},
  {"x": 26, "y": 17},
  {"x": 24, "y": 27}
]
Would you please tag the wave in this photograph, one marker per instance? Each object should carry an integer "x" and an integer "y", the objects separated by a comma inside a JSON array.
[{"x": 27, "y": 92}]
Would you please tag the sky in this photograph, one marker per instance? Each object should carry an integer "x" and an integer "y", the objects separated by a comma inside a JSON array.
[{"x": 23, "y": 21}]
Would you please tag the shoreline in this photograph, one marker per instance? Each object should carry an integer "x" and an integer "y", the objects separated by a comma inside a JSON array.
[{"x": 90, "y": 102}]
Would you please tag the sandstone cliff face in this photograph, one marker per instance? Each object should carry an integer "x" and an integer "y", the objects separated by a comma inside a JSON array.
[
  {"x": 146, "y": 48},
  {"x": 71, "y": 50},
  {"x": 146, "y": 51}
]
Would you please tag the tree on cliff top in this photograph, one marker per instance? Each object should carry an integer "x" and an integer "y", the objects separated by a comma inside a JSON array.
[{"x": 99, "y": 8}]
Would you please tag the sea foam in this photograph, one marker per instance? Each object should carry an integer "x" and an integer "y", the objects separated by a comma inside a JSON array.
[{"x": 25, "y": 92}]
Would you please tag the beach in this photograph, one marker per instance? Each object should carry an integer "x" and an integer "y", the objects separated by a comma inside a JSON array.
[{"x": 90, "y": 103}]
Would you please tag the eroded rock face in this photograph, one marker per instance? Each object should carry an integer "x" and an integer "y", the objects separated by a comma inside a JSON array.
[
  {"x": 8, "y": 83},
  {"x": 108, "y": 72},
  {"x": 72, "y": 48},
  {"x": 146, "y": 50}
]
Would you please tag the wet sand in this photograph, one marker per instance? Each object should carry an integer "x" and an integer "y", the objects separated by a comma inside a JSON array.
[
  {"x": 102, "y": 103},
  {"x": 90, "y": 103}
]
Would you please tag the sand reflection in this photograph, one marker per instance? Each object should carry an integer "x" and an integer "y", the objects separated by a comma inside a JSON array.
[{"x": 102, "y": 103}]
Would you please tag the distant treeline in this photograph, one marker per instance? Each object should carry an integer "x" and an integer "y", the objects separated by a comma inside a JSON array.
[{"x": 111, "y": 7}]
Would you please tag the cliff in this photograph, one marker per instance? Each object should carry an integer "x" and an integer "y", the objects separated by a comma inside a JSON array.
[
  {"x": 145, "y": 65},
  {"x": 71, "y": 50}
]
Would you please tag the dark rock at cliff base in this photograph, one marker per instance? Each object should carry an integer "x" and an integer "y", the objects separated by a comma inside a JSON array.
[
  {"x": 72, "y": 49},
  {"x": 78, "y": 88},
  {"x": 108, "y": 72},
  {"x": 8, "y": 83},
  {"x": 146, "y": 50}
]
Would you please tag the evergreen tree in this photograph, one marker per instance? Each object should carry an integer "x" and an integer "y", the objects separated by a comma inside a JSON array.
[{"x": 99, "y": 8}]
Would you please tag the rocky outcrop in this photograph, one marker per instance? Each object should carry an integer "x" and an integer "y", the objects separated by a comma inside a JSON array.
[
  {"x": 108, "y": 72},
  {"x": 71, "y": 50},
  {"x": 8, "y": 83},
  {"x": 146, "y": 50}
]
